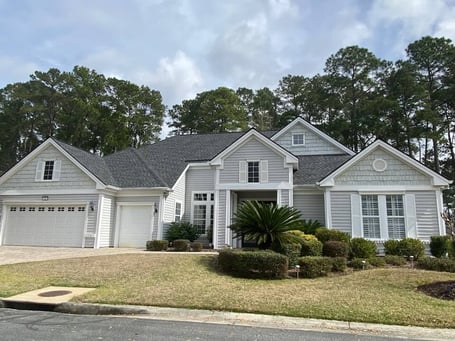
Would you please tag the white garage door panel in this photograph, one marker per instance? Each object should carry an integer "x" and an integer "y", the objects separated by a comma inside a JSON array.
[
  {"x": 45, "y": 225},
  {"x": 135, "y": 225}
]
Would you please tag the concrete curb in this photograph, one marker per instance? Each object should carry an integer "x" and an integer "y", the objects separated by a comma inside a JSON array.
[{"x": 258, "y": 320}]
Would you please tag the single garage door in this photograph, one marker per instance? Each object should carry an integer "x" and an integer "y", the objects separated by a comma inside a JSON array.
[
  {"x": 45, "y": 225},
  {"x": 136, "y": 224}
]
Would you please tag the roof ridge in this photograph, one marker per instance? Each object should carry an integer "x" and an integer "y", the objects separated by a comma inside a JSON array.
[{"x": 141, "y": 158}]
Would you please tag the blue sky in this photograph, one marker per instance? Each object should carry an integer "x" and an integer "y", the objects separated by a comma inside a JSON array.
[{"x": 182, "y": 47}]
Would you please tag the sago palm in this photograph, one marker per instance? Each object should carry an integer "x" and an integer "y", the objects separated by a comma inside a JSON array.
[{"x": 266, "y": 224}]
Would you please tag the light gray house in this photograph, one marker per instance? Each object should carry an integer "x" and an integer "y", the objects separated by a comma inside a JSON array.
[{"x": 62, "y": 196}]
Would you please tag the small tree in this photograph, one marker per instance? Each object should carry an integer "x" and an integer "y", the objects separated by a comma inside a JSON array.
[
  {"x": 266, "y": 224},
  {"x": 182, "y": 230}
]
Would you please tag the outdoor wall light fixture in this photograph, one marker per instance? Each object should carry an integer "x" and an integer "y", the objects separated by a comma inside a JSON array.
[
  {"x": 44, "y": 198},
  {"x": 91, "y": 206},
  {"x": 155, "y": 208}
]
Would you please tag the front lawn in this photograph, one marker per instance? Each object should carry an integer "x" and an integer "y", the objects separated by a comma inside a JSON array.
[{"x": 386, "y": 295}]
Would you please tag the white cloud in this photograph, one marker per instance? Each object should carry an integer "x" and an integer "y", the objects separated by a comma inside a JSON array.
[
  {"x": 16, "y": 70},
  {"x": 177, "y": 78}
]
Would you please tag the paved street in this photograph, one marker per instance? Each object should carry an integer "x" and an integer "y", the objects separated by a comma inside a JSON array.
[{"x": 36, "y": 325}]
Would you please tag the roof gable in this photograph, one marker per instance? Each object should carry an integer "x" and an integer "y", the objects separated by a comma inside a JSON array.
[
  {"x": 254, "y": 134},
  {"x": 379, "y": 145},
  {"x": 332, "y": 146}
]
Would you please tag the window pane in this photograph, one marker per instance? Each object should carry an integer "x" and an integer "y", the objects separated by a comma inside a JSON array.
[
  {"x": 253, "y": 171},
  {"x": 48, "y": 170},
  {"x": 396, "y": 228},
  {"x": 371, "y": 227},
  {"x": 370, "y": 205},
  {"x": 395, "y": 205},
  {"x": 199, "y": 217},
  {"x": 200, "y": 196},
  {"x": 298, "y": 139},
  {"x": 178, "y": 211}
]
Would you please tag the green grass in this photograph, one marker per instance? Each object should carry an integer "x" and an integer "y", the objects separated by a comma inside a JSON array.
[{"x": 386, "y": 295}]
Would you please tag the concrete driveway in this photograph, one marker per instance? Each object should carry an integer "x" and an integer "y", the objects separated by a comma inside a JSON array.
[{"x": 22, "y": 254}]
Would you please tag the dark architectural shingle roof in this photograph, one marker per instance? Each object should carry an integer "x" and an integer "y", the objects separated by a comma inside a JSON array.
[
  {"x": 313, "y": 168},
  {"x": 160, "y": 164}
]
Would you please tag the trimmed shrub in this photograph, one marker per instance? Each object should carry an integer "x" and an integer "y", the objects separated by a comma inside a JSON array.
[
  {"x": 436, "y": 264},
  {"x": 439, "y": 246},
  {"x": 324, "y": 235},
  {"x": 292, "y": 251},
  {"x": 391, "y": 247},
  {"x": 311, "y": 248},
  {"x": 411, "y": 247},
  {"x": 181, "y": 245},
  {"x": 362, "y": 248},
  {"x": 395, "y": 260},
  {"x": 452, "y": 248},
  {"x": 359, "y": 264},
  {"x": 339, "y": 264},
  {"x": 196, "y": 246},
  {"x": 253, "y": 264},
  {"x": 333, "y": 248},
  {"x": 156, "y": 245},
  {"x": 377, "y": 262},
  {"x": 312, "y": 267},
  {"x": 182, "y": 230}
]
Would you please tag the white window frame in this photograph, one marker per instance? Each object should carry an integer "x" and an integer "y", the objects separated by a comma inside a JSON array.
[
  {"x": 56, "y": 170},
  {"x": 383, "y": 216},
  {"x": 178, "y": 217},
  {"x": 248, "y": 171},
  {"x": 209, "y": 203},
  {"x": 303, "y": 139},
  {"x": 263, "y": 171}
]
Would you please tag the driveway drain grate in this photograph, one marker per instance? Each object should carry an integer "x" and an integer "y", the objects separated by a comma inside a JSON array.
[{"x": 54, "y": 293}]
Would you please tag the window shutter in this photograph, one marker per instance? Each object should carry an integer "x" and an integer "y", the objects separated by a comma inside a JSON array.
[
  {"x": 242, "y": 171},
  {"x": 356, "y": 216},
  {"x": 411, "y": 219},
  {"x": 39, "y": 171},
  {"x": 57, "y": 168},
  {"x": 264, "y": 169}
]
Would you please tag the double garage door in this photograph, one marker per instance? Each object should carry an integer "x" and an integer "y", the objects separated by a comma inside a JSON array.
[{"x": 45, "y": 225}]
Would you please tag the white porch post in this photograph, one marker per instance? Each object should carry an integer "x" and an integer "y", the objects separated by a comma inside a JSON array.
[{"x": 228, "y": 234}]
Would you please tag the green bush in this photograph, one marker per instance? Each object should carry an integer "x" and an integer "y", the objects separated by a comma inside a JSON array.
[
  {"x": 292, "y": 251},
  {"x": 333, "y": 248},
  {"x": 311, "y": 248},
  {"x": 452, "y": 248},
  {"x": 360, "y": 264},
  {"x": 182, "y": 230},
  {"x": 395, "y": 260},
  {"x": 196, "y": 246},
  {"x": 339, "y": 264},
  {"x": 391, "y": 247},
  {"x": 156, "y": 245},
  {"x": 324, "y": 235},
  {"x": 411, "y": 247},
  {"x": 377, "y": 262},
  {"x": 436, "y": 264},
  {"x": 312, "y": 267},
  {"x": 362, "y": 248},
  {"x": 253, "y": 264},
  {"x": 439, "y": 246},
  {"x": 181, "y": 245}
]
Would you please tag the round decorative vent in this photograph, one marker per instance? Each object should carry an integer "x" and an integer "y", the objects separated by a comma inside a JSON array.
[{"x": 379, "y": 165}]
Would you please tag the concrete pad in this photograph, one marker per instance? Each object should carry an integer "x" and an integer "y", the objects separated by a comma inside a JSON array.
[{"x": 49, "y": 295}]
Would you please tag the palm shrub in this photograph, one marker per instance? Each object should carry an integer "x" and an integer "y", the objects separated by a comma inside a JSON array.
[
  {"x": 266, "y": 224},
  {"x": 309, "y": 226}
]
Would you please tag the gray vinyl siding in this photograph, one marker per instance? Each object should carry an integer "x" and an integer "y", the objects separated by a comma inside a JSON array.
[
  {"x": 197, "y": 180},
  {"x": 284, "y": 197},
  {"x": 341, "y": 211},
  {"x": 314, "y": 144},
  {"x": 427, "y": 214},
  {"x": 169, "y": 211},
  {"x": 311, "y": 205},
  {"x": 254, "y": 150},
  {"x": 221, "y": 216},
  {"x": 71, "y": 177},
  {"x": 107, "y": 222},
  {"x": 397, "y": 172}
]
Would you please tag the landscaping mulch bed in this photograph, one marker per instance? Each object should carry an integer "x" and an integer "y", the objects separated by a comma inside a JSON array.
[{"x": 442, "y": 290}]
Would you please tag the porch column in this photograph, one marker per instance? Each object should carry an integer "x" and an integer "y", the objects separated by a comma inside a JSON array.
[{"x": 228, "y": 234}]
